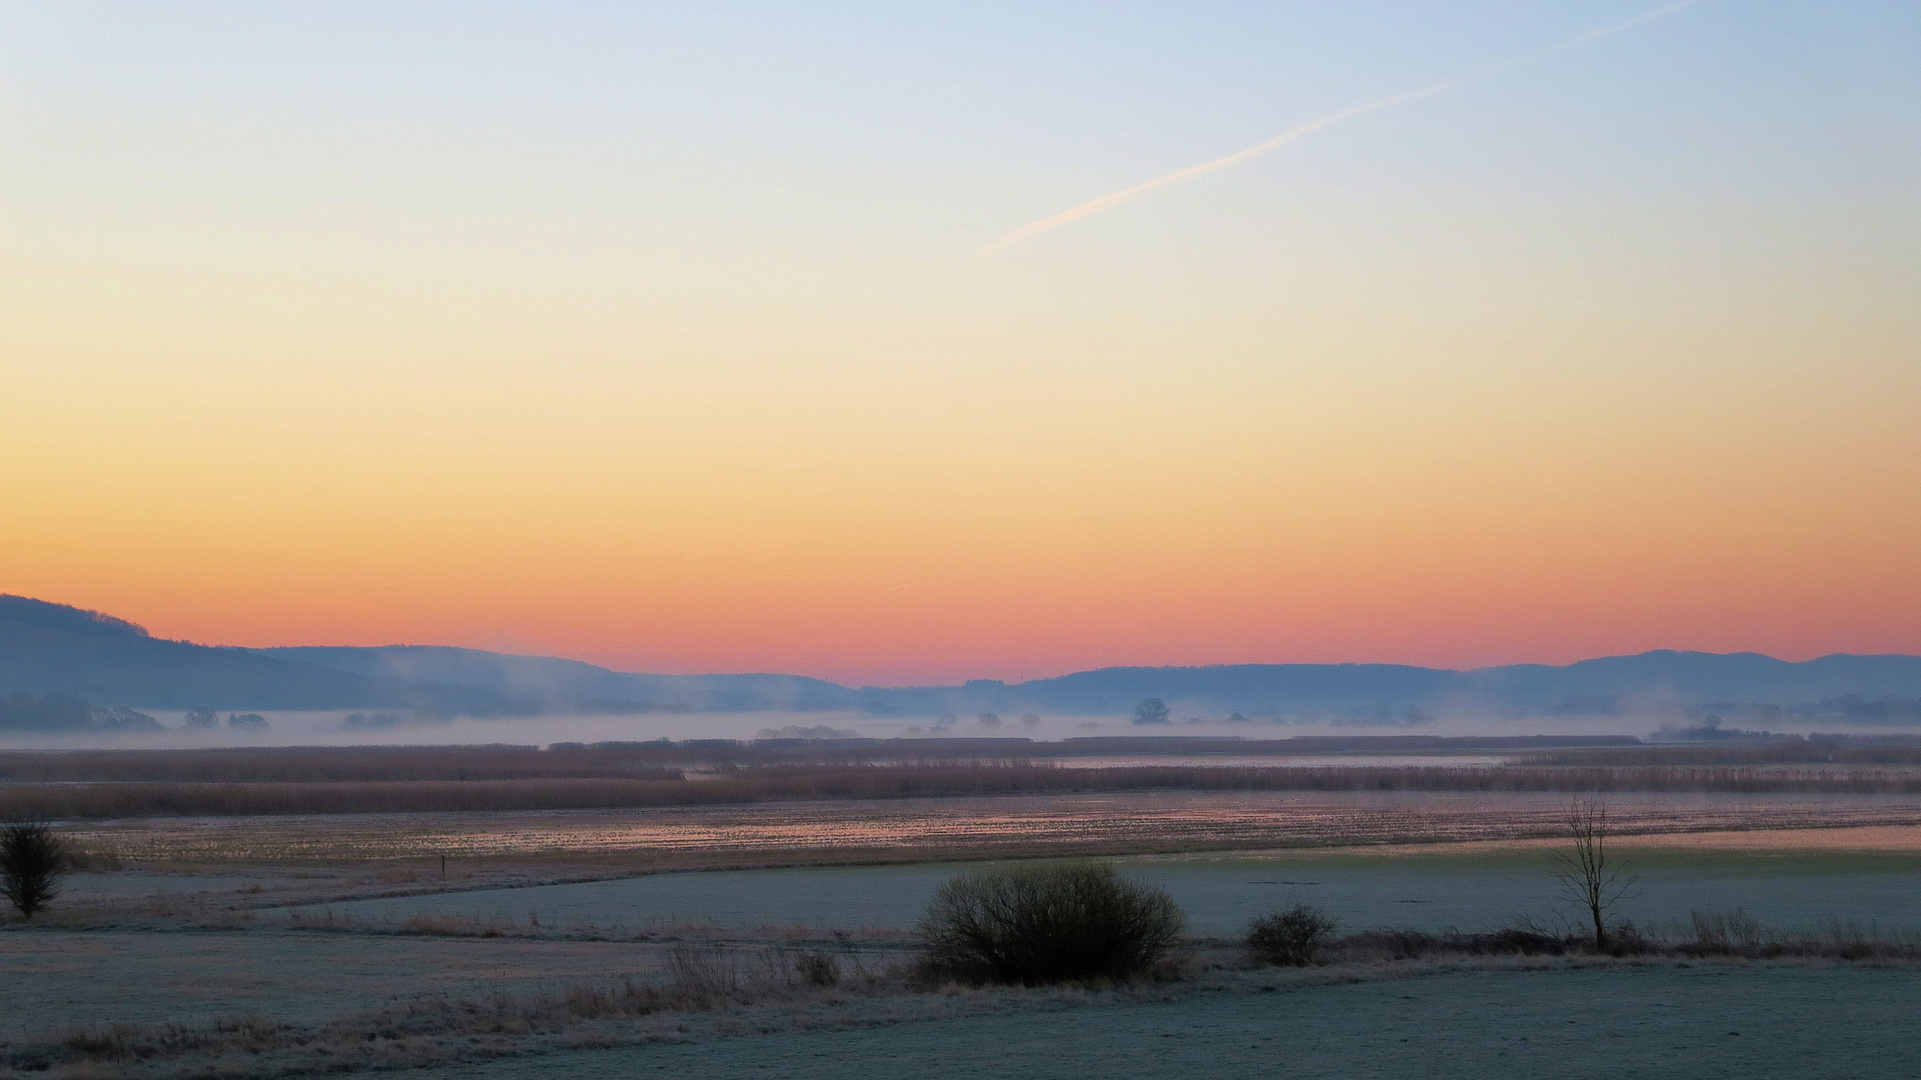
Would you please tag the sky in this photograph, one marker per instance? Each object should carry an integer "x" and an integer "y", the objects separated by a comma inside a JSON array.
[{"x": 711, "y": 337}]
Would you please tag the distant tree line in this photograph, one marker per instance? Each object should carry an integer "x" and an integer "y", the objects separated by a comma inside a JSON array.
[
  {"x": 64, "y": 712},
  {"x": 1893, "y": 710}
]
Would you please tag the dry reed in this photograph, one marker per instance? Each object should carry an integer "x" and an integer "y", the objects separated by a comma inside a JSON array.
[
  {"x": 803, "y": 783},
  {"x": 662, "y": 759}
]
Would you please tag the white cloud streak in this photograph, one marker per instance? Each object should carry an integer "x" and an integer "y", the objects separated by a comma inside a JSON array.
[{"x": 1108, "y": 202}]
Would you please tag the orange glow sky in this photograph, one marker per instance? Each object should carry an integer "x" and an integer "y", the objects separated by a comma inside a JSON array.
[{"x": 660, "y": 346}]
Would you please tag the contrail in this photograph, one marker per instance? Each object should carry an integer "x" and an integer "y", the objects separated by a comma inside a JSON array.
[{"x": 1106, "y": 202}]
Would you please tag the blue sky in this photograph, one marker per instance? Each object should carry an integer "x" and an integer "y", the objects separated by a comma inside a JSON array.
[{"x": 653, "y": 333}]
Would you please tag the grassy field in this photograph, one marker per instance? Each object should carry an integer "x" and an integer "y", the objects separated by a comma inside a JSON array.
[
  {"x": 1474, "y": 891},
  {"x": 269, "y": 947},
  {"x": 1695, "y": 1023},
  {"x": 61, "y": 980}
]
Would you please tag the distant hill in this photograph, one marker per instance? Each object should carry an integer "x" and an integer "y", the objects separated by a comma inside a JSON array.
[
  {"x": 51, "y": 648},
  {"x": 1656, "y": 684},
  {"x": 558, "y": 684},
  {"x": 55, "y": 649},
  {"x": 1663, "y": 682},
  {"x": 1698, "y": 677},
  {"x": 1368, "y": 691}
]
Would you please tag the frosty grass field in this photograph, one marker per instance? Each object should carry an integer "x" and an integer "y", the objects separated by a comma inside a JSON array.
[
  {"x": 1473, "y": 890},
  {"x": 243, "y": 924},
  {"x": 1657, "y": 1023}
]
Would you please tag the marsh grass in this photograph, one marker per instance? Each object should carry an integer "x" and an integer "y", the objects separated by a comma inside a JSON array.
[{"x": 1815, "y": 750}]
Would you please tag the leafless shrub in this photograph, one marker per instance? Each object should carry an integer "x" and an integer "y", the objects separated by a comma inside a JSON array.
[
  {"x": 1290, "y": 938},
  {"x": 818, "y": 969},
  {"x": 1590, "y": 879},
  {"x": 1032, "y": 925}
]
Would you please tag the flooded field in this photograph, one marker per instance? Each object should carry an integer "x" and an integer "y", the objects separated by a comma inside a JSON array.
[{"x": 960, "y": 827}]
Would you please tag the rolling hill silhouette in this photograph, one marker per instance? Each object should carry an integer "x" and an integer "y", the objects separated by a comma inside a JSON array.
[
  {"x": 48, "y": 648},
  {"x": 53, "y": 648}
]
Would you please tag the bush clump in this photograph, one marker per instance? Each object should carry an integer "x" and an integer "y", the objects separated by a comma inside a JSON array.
[
  {"x": 1289, "y": 938},
  {"x": 817, "y": 969},
  {"x": 1033, "y": 925}
]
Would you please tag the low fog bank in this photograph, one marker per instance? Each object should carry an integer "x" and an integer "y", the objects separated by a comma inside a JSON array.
[{"x": 188, "y": 729}]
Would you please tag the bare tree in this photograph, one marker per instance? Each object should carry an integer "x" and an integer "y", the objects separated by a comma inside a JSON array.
[
  {"x": 1589, "y": 880},
  {"x": 32, "y": 860}
]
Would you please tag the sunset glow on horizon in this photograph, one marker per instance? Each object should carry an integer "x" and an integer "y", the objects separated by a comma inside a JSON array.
[{"x": 651, "y": 337}]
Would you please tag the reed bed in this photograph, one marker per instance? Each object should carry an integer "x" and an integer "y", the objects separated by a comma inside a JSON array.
[
  {"x": 804, "y": 783},
  {"x": 342, "y": 764},
  {"x": 1812, "y": 751},
  {"x": 660, "y": 759}
]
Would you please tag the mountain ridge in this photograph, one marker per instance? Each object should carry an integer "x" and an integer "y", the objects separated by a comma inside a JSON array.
[{"x": 54, "y": 648}]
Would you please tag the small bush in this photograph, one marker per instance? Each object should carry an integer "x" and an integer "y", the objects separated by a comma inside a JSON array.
[
  {"x": 32, "y": 859},
  {"x": 817, "y": 969},
  {"x": 1033, "y": 925},
  {"x": 1291, "y": 937}
]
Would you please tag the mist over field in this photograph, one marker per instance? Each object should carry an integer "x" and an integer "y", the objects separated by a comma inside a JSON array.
[{"x": 377, "y": 728}]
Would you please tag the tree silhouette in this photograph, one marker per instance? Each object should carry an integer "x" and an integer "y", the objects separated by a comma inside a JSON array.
[
  {"x": 1151, "y": 711},
  {"x": 1589, "y": 879},
  {"x": 32, "y": 860}
]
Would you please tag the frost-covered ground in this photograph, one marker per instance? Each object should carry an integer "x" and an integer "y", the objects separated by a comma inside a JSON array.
[
  {"x": 144, "y": 974},
  {"x": 56, "y": 980},
  {"x": 1658, "y": 1022},
  {"x": 274, "y": 965},
  {"x": 1473, "y": 889}
]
